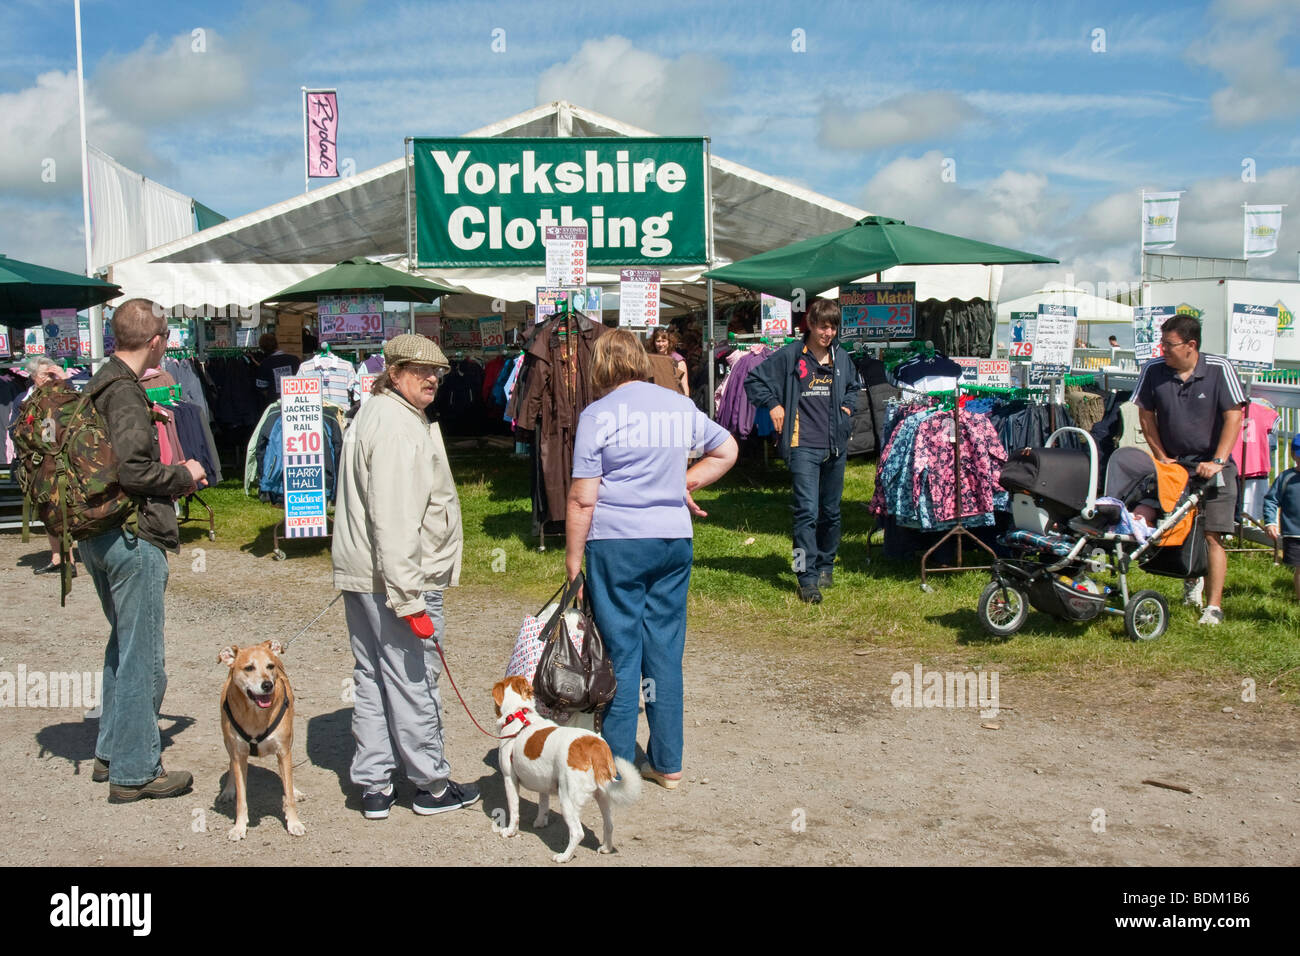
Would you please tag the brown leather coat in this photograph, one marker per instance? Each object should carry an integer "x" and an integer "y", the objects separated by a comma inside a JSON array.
[{"x": 557, "y": 390}]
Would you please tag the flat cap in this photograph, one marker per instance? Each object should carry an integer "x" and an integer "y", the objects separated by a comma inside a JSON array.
[{"x": 414, "y": 348}]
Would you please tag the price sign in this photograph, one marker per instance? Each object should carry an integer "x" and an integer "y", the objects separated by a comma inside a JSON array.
[
  {"x": 60, "y": 327},
  {"x": 878, "y": 311},
  {"x": 969, "y": 369},
  {"x": 34, "y": 341},
  {"x": 566, "y": 255},
  {"x": 1054, "y": 340},
  {"x": 1254, "y": 336},
  {"x": 994, "y": 372},
  {"x": 580, "y": 299},
  {"x": 776, "y": 316},
  {"x": 1147, "y": 323},
  {"x": 1023, "y": 325},
  {"x": 638, "y": 298},
  {"x": 219, "y": 333},
  {"x": 492, "y": 332},
  {"x": 4, "y": 343},
  {"x": 365, "y": 385},
  {"x": 303, "y": 434},
  {"x": 350, "y": 316}
]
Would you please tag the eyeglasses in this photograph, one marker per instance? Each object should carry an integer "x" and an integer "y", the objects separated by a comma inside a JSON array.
[
  {"x": 1165, "y": 344},
  {"x": 426, "y": 371}
]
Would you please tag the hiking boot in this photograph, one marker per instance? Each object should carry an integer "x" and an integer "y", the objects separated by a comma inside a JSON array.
[
  {"x": 825, "y": 581},
  {"x": 809, "y": 594},
  {"x": 1193, "y": 592},
  {"x": 1212, "y": 617},
  {"x": 455, "y": 796},
  {"x": 374, "y": 805},
  {"x": 99, "y": 772},
  {"x": 164, "y": 785}
]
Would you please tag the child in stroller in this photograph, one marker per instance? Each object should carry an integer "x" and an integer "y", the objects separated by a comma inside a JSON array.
[{"x": 1064, "y": 535}]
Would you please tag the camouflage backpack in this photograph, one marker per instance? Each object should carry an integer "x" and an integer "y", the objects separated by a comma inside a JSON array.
[{"x": 69, "y": 469}]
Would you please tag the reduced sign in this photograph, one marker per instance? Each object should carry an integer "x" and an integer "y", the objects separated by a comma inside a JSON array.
[{"x": 302, "y": 428}]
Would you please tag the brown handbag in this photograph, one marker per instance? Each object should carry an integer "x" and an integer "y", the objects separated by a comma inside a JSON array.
[{"x": 566, "y": 680}]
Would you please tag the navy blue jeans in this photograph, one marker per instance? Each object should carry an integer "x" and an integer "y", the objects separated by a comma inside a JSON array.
[
  {"x": 637, "y": 589},
  {"x": 130, "y": 575},
  {"x": 818, "y": 479}
]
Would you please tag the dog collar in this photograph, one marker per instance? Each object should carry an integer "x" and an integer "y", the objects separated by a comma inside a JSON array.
[
  {"x": 519, "y": 715},
  {"x": 254, "y": 741}
]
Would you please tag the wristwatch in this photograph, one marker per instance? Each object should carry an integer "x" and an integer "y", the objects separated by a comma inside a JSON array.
[{"x": 1217, "y": 461}]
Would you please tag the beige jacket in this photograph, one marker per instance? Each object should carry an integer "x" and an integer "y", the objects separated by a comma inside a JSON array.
[{"x": 397, "y": 527}]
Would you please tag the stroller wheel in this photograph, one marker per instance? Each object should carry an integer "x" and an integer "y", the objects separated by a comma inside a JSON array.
[
  {"x": 1002, "y": 609},
  {"x": 1146, "y": 616}
]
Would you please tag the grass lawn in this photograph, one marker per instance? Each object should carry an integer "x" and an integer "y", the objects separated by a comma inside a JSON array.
[{"x": 742, "y": 584}]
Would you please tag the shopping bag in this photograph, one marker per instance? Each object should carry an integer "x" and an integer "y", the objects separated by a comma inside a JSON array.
[
  {"x": 529, "y": 646},
  {"x": 569, "y": 679}
]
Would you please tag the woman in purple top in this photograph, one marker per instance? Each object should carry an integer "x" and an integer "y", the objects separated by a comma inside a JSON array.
[{"x": 629, "y": 512}]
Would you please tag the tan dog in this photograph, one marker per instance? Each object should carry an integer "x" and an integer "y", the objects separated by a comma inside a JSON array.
[
  {"x": 257, "y": 721},
  {"x": 567, "y": 762}
]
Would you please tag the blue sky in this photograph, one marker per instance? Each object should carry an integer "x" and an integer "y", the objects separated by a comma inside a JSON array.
[{"x": 1055, "y": 115}]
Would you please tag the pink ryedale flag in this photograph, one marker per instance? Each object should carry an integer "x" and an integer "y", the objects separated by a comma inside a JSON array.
[{"x": 322, "y": 133}]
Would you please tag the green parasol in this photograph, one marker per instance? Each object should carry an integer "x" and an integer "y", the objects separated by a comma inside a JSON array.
[{"x": 26, "y": 289}]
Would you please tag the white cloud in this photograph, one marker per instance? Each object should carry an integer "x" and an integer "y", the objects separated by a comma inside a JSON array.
[
  {"x": 1007, "y": 210},
  {"x": 191, "y": 75},
  {"x": 44, "y": 232},
  {"x": 611, "y": 76},
  {"x": 908, "y": 118},
  {"x": 1249, "y": 45},
  {"x": 42, "y": 134}
]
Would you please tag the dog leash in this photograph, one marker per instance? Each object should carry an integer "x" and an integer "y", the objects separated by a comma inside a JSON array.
[
  {"x": 314, "y": 620},
  {"x": 446, "y": 670}
]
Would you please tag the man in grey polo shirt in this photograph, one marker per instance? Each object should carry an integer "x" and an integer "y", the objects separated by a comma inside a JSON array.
[{"x": 1190, "y": 406}]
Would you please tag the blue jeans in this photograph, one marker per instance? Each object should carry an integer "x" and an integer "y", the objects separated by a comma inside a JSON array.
[
  {"x": 637, "y": 589},
  {"x": 130, "y": 575},
  {"x": 818, "y": 480}
]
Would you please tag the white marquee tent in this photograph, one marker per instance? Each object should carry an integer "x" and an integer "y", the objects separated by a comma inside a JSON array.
[{"x": 240, "y": 262}]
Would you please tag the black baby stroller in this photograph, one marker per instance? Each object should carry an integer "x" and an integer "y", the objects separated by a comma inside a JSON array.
[{"x": 1065, "y": 535}]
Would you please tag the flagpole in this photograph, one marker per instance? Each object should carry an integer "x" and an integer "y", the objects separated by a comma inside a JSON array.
[
  {"x": 306, "y": 160},
  {"x": 97, "y": 313}
]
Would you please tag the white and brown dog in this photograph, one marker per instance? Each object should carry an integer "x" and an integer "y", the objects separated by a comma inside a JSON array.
[
  {"x": 565, "y": 762},
  {"x": 257, "y": 721}
]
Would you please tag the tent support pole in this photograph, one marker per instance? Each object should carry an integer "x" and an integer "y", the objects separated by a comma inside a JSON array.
[
  {"x": 708, "y": 287},
  {"x": 410, "y": 264}
]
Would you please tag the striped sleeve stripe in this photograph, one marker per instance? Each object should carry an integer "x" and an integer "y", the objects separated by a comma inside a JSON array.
[
  {"x": 1229, "y": 377},
  {"x": 1142, "y": 375}
]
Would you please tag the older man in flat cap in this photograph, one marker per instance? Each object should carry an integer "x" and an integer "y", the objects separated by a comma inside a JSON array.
[{"x": 397, "y": 546}]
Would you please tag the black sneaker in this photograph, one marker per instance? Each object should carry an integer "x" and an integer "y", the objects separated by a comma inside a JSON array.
[
  {"x": 374, "y": 806},
  {"x": 54, "y": 569},
  {"x": 825, "y": 581},
  {"x": 809, "y": 594},
  {"x": 456, "y": 795}
]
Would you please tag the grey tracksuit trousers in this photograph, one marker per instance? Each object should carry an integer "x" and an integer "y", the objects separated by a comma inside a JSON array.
[{"x": 397, "y": 712}]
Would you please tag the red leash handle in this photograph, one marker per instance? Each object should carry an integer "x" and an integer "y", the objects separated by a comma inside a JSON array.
[{"x": 447, "y": 670}]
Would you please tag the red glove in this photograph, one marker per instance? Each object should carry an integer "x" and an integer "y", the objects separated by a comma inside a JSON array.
[{"x": 421, "y": 625}]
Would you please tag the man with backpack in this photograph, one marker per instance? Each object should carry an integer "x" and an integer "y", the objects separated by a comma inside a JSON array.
[{"x": 129, "y": 565}]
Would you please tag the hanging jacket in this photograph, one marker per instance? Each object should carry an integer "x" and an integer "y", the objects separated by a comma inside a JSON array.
[{"x": 558, "y": 389}]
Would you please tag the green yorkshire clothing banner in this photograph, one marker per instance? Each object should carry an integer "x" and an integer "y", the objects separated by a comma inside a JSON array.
[{"x": 488, "y": 201}]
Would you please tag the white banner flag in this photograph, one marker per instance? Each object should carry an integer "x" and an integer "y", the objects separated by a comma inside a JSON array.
[
  {"x": 1159, "y": 220},
  {"x": 1263, "y": 223}
]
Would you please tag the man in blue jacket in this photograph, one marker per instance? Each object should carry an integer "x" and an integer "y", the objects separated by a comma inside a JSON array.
[{"x": 811, "y": 390}]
